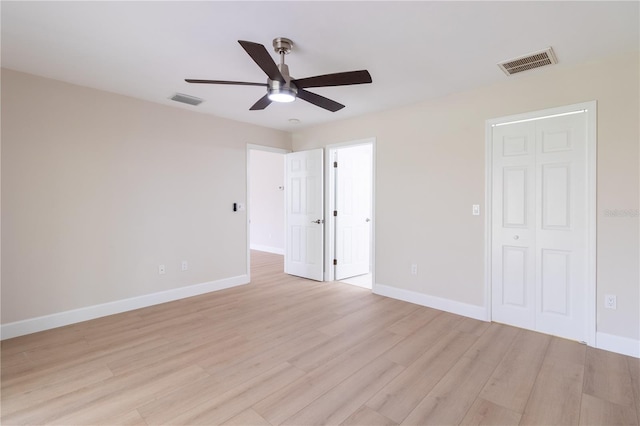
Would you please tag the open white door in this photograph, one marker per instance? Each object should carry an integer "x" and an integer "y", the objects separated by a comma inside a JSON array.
[
  {"x": 353, "y": 211},
  {"x": 304, "y": 216}
]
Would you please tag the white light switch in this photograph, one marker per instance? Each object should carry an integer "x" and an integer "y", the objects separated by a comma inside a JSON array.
[{"x": 476, "y": 210}]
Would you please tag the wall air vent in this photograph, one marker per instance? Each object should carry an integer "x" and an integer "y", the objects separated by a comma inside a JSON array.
[
  {"x": 528, "y": 62},
  {"x": 186, "y": 99}
]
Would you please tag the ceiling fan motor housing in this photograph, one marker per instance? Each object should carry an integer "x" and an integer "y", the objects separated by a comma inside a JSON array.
[{"x": 278, "y": 91}]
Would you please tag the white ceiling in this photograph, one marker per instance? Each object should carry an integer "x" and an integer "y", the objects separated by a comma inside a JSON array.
[{"x": 413, "y": 50}]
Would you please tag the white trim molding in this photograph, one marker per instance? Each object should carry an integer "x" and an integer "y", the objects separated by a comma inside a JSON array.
[
  {"x": 618, "y": 344},
  {"x": 448, "y": 305},
  {"x": 60, "y": 319}
]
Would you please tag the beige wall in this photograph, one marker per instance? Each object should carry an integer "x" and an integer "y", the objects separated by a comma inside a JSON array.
[
  {"x": 99, "y": 189},
  {"x": 430, "y": 170}
]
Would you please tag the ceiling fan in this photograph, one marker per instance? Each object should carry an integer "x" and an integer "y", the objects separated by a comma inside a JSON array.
[{"x": 281, "y": 87}]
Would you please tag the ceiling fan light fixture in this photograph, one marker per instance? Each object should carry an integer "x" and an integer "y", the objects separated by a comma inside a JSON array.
[
  {"x": 282, "y": 94},
  {"x": 282, "y": 97}
]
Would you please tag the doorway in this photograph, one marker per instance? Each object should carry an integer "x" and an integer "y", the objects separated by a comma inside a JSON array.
[
  {"x": 350, "y": 189},
  {"x": 265, "y": 200},
  {"x": 541, "y": 221},
  {"x": 311, "y": 230}
]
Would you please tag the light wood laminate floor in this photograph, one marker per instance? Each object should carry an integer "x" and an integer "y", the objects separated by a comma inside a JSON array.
[{"x": 284, "y": 350}]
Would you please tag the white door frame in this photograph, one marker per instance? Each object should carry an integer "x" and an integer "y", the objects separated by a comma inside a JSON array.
[
  {"x": 329, "y": 203},
  {"x": 252, "y": 147},
  {"x": 590, "y": 108}
]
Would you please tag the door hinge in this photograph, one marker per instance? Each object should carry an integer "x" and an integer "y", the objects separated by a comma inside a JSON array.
[
  {"x": 335, "y": 164},
  {"x": 335, "y": 262},
  {"x": 335, "y": 212}
]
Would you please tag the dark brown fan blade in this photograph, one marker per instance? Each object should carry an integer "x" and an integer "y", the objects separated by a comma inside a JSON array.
[
  {"x": 238, "y": 83},
  {"x": 262, "y": 103},
  {"x": 320, "y": 101},
  {"x": 261, "y": 57},
  {"x": 337, "y": 79}
]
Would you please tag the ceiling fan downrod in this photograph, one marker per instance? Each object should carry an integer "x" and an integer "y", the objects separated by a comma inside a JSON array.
[{"x": 277, "y": 91}]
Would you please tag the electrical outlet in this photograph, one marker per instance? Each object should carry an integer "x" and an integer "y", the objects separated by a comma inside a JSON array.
[
  {"x": 610, "y": 301},
  {"x": 161, "y": 269},
  {"x": 414, "y": 269},
  {"x": 185, "y": 265},
  {"x": 475, "y": 210}
]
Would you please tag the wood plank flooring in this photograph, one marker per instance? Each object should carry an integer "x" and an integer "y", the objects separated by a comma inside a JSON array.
[{"x": 288, "y": 351}]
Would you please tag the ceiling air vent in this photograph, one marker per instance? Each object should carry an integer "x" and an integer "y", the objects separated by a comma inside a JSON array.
[
  {"x": 186, "y": 99},
  {"x": 528, "y": 62}
]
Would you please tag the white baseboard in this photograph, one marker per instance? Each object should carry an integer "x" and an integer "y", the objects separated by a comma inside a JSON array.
[
  {"x": 618, "y": 344},
  {"x": 448, "y": 305},
  {"x": 33, "y": 325},
  {"x": 275, "y": 250}
]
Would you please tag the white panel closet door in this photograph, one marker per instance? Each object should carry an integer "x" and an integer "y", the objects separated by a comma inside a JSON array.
[
  {"x": 513, "y": 225},
  {"x": 539, "y": 225},
  {"x": 561, "y": 238},
  {"x": 304, "y": 207}
]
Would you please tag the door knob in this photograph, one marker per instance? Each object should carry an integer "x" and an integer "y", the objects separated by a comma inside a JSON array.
[
  {"x": 317, "y": 221},
  {"x": 515, "y": 237},
  {"x": 367, "y": 220}
]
